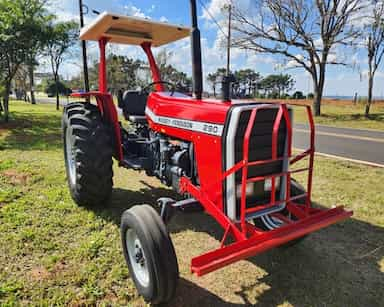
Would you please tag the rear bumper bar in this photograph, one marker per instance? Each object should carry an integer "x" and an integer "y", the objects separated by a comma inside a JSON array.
[{"x": 261, "y": 242}]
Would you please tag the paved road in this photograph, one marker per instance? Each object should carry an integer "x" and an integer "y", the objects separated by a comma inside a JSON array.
[
  {"x": 52, "y": 100},
  {"x": 354, "y": 144}
]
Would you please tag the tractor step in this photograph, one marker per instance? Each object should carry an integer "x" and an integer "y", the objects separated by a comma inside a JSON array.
[{"x": 259, "y": 243}]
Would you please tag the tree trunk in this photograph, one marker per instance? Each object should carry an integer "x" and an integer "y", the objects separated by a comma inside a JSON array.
[
  {"x": 318, "y": 88},
  {"x": 6, "y": 101},
  {"x": 370, "y": 89},
  {"x": 32, "y": 83},
  {"x": 57, "y": 92}
]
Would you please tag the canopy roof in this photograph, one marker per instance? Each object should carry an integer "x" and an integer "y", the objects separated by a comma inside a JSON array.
[{"x": 132, "y": 30}]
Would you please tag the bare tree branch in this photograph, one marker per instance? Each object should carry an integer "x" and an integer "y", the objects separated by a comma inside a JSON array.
[{"x": 303, "y": 31}]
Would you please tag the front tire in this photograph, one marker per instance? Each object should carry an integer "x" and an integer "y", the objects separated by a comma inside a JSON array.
[
  {"x": 149, "y": 253},
  {"x": 88, "y": 154}
]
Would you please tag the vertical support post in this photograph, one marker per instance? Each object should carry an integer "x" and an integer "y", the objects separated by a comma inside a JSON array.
[
  {"x": 84, "y": 51},
  {"x": 103, "y": 66},
  {"x": 247, "y": 136},
  {"x": 311, "y": 159},
  {"x": 289, "y": 145},
  {"x": 156, "y": 76},
  {"x": 275, "y": 134}
]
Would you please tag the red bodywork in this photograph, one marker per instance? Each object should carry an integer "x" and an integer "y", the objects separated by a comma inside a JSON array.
[{"x": 248, "y": 239}]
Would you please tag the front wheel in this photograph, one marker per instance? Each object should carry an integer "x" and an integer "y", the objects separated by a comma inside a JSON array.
[{"x": 149, "y": 253}]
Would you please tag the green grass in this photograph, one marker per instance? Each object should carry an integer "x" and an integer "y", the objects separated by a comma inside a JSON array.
[
  {"x": 53, "y": 252},
  {"x": 351, "y": 116}
]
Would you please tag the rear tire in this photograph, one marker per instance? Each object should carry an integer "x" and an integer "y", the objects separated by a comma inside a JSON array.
[
  {"x": 149, "y": 253},
  {"x": 88, "y": 154}
]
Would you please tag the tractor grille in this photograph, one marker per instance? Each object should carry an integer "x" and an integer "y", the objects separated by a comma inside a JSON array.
[{"x": 260, "y": 148}]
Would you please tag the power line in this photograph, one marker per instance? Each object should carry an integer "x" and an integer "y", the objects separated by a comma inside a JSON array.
[{"x": 213, "y": 18}]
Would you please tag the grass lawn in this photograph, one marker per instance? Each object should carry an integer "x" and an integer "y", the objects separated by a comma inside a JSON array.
[
  {"x": 53, "y": 252},
  {"x": 348, "y": 116}
]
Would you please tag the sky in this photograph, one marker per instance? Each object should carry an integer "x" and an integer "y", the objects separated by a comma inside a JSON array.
[{"x": 340, "y": 80}]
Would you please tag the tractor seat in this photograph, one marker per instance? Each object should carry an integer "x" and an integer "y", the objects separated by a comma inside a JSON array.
[
  {"x": 137, "y": 119},
  {"x": 133, "y": 103}
]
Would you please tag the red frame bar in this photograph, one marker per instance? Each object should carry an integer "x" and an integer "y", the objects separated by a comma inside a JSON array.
[
  {"x": 250, "y": 240},
  {"x": 103, "y": 88},
  {"x": 258, "y": 243},
  {"x": 247, "y": 135},
  {"x": 156, "y": 76}
]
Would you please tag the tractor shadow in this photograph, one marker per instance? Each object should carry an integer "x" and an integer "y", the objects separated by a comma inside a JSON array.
[{"x": 342, "y": 265}]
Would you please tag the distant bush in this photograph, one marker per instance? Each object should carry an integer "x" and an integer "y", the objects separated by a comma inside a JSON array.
[
  {"x": 298, "y": 95},
  {"x": 285, "y": 96},
  {"x": 310, "y": 96},
  {"x": 273, "y": 95},
  {"x": 61, "y": 87}
]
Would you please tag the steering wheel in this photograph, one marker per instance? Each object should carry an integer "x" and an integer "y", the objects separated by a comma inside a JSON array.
[{"x": 146, "y": 88}]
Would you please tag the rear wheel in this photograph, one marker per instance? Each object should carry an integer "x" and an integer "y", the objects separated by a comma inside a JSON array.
[
  {"x": 88, "y": 154},
  {"x": 149, "y": 253}
]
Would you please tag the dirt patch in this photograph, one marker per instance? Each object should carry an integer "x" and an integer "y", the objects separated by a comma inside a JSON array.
[
  {"x": 15, "y": 177},
  {"x": 60, "y": 266},
  {"x": 15, "y": 124},
  {"x": 40, "y": 273}
]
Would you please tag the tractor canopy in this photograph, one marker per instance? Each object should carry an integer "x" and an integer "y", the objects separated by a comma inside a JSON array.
[{"x": 132, "y": 30}]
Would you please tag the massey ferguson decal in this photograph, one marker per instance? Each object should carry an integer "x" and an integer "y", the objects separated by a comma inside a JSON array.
[{"x": 213, "y": 129}]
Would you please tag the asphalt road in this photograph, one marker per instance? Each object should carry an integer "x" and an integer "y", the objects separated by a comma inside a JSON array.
[
  {"x": 366, "y": 146},
  {"x": 63, "y": 101}
]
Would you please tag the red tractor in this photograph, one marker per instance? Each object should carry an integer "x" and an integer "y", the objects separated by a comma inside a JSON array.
[{"x": 232, "y": 159}]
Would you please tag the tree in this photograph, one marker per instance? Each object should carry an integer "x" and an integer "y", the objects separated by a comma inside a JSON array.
[
  {"x": 122, "y": 72},
  {"x": 21, "y": 24},
  {"x": 298, "y": 95},
  {"x": 62, "y": 89},
  {"x": 303, "y": 32},
  {"x": 171, "y": 74},
  {"x": 60, "y": 38},
  {"x": 277, "y": 85},
  {"x": 375, "y": 46},
  {"x": 215, "y": 77},
  {"x": 211, "y": 78},
  {"x": 246, "y": 82},
  {"x": 20, "y": 82}
]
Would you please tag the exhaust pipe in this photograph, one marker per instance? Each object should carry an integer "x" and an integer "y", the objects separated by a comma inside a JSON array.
[{"x": 197, "y": 71}]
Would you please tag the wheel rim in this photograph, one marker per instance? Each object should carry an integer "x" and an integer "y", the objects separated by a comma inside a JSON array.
[
  {"x": 137, "y": 257},
  {"x": 70, "y": 155}
]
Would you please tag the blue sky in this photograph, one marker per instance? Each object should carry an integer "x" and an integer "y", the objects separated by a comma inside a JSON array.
[{"x": 340, "y": 80}]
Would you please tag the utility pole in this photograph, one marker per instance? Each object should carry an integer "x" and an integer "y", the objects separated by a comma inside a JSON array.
[
  {"x": 229, "y": 40},
  {"x": 84, "y": 48}
]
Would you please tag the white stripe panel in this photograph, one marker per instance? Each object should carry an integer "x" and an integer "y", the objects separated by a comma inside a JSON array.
[{"x": 208, "y": 128}]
